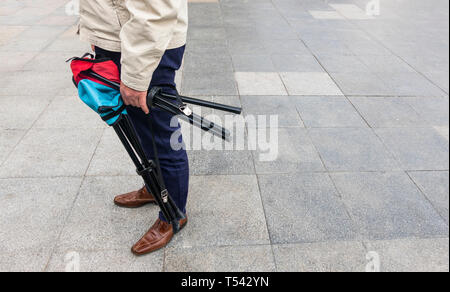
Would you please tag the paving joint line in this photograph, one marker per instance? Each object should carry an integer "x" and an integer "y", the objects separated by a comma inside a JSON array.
[
  {"x": 427, "y": 198},
  {"x": 70, "y": 211},
  {"x": 375, "y": 39}
]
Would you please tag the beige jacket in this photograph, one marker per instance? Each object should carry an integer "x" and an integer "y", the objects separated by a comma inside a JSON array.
[{"x": 141, "y": 29}]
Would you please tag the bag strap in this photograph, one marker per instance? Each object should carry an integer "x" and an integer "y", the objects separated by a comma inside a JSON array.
[
  {"x": 91, "y": 59},
  {"x": 114, "y": 114},
  {"x": 159, "y": 176}
]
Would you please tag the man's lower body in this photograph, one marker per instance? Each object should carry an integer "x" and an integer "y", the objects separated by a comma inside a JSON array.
[{"x": 174, "y": 163}]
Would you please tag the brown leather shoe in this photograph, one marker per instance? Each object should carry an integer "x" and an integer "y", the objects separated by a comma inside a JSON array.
[
  {"x": 156, "y": 238},
  {"x": 135, "y": 199}
]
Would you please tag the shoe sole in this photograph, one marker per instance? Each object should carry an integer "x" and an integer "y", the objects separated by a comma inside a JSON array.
[{"x": 134, "y": 207}]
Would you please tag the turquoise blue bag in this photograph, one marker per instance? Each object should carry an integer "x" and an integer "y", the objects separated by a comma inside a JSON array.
[{"x": 104, "y": 100}]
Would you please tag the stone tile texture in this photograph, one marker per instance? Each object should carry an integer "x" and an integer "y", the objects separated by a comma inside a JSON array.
[{"x": 356, "y": 176}]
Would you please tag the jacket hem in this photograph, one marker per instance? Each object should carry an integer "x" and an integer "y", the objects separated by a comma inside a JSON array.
[
  {"x": 134, "y": 83},
  {"x": 115, "y": 46},
  {"x": 112, "y": 46}
]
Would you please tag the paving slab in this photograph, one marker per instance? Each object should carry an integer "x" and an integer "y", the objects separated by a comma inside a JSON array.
[
  {"x": 343, "y": 64},
  {"x": 70, "y": 32},
  {"x": 416, "y": 148},
  {"x": 364, "y": 47},
  {"x": 326, "y": 14},
  {"x": 110, "y": 158},
  {"x": 351, "y": 11},
  {"x": 321, "y": 257},
  {"x": 285, "y": 47},
  {"x": 440, "y": 78},
  {"x": 58, "y": 20},
  {"x": 426, "y": 59},
  {"x": 322, "y": 46},
  {"x": 235, "y": 32},
  {"x": 27, "y": 241},
  {"x": 332, "y": 112},
  {"x": 25, "y": 260},
  {"x": 282, "y": 106},
  {"x": 295, "y": 153},
  {"x": 50, "y": 62},
  {"x": 218, "y": 47},
  {"x": 236, "y": 17},
  {"x": 443, "y": 131},
  {"x": 9, "y": 9},
  {"x": 257, "y": 258},
  {"x": 412, "y": 255},
  {"x": 435, "y": 186},
  {"x": 14, "y": 61},
  {"x": 238, "y": 46},
  {"x": 28, "y": 15},
  {"x": 8, "y": 140},
  {"x": 179, "y": 79},
  {"x": 352, "y": 149},
  {"x": 21, "y": 83},
  {"x": 207, "y": 33},
  {"x": 388, "y": 206},
  {"x": 385, "y": 112},
  {"x": 309, "y": 83},
  {"x": 69, "y": 112},
  {"x": 280, "y": 32},
  {"x": 33, "y": 39},
  {"x": 253, "y": 63},
  {"x": 95, "y": 223},
  {"x": 205, "y": 13},
  {"x": 260, "y": 83},
  {"x": 115, "y": 260},
  {"x": 410, "y": 84},
  {"x": 30, "y": 108},
  {"x": 302, "y": 208},
  {"x": 296, "y": 63},
  {"x": 231, "y": 202},
  {"x": 362, "y": 84},
  {"x": 207, "y": 63},
  {"x": 8, "y": 32},
  {"x": 218, "y": 83},
  {"x": 52, "y": 152},
  {"x": 220, "y": 162},
  {"x": 435, "y": 110},
  {"x": 72, "y": 46},
  {"x": 386, "y": 64}
]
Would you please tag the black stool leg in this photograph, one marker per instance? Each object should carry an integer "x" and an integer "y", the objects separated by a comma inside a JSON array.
[{"x": 146, "y": 169}]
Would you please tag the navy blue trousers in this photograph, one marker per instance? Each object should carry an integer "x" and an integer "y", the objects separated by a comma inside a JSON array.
[{"x": 174, "y": 163}]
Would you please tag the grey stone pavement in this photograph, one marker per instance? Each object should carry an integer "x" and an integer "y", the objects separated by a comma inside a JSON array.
[{"x": 363, "y": 167}]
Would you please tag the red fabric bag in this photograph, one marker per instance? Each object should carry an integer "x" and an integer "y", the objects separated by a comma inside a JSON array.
[{"x": 104, "y": 67}]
